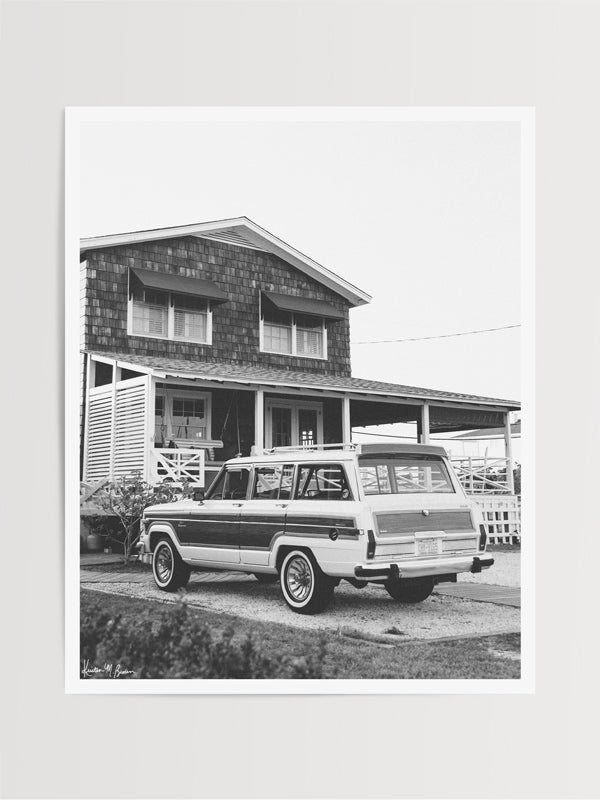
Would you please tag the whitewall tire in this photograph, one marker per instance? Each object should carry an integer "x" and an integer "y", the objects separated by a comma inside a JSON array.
[
  {"x": 170, "y": 572},
  {"x": 306, "y": 589}
]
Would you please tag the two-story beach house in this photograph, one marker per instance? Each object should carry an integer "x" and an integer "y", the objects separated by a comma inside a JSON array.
[{"x": 203, "y": 341}]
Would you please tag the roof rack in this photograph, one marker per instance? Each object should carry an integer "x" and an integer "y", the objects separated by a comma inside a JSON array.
[{"x": 301, "y": 448}]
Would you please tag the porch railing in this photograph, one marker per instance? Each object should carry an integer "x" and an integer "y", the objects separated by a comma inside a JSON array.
[
  {"x": 178, "y": 465},
  {"x": 482, "y": 475}
]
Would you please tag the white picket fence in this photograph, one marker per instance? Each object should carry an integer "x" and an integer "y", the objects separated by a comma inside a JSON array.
[{"x": 501, "y": 517}]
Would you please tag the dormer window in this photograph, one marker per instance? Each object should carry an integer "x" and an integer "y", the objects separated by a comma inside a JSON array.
[
  {"x": 295, "y": 326},
  {"x": 167, "y": 306}
]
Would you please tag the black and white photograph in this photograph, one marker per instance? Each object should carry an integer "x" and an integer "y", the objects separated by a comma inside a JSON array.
[{"x": 299, "y": 339}]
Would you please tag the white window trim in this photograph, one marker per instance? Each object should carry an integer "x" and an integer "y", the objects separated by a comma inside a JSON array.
[
  {"x": 168, "y": 394},
  {"x": 295, "y": 406},
  {"x": 294, "y": 352},
  {"x": 170, "y": 322}
]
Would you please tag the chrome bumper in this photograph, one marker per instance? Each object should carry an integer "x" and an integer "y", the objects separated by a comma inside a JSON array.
[
  {"x": 419, "y": 569},
  {"x": 144, "y": 556}
]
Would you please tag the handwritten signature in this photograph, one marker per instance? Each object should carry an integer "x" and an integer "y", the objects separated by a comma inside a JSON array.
[{"x": 108, "y": 670}]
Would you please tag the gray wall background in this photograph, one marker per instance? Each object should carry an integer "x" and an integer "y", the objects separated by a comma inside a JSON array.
[{"x": 56, "y": 54}]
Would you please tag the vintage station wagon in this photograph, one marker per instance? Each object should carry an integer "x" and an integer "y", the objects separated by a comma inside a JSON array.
[{"x": 394, "y": 515}]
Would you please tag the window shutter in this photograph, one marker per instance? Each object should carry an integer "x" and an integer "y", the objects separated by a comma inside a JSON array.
[
  {"x": 99, "y": 427},
  {"x": 130, "y": 429}
]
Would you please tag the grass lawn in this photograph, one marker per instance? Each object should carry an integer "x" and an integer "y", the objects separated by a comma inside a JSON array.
[{"x": 485, "y": 657}]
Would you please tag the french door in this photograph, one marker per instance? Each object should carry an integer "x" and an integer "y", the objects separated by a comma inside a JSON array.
[{"x": 293, "y": 423}]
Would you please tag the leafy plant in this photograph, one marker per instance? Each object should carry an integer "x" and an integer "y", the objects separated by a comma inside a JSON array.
[
  {"x": 127, "y": 498},
  {"x": 179, "y": 645}
]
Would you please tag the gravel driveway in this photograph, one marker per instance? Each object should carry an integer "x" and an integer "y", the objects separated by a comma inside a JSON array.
[
  {"x": 369, "y": 612},
  {"x": 506, "y": 571}
]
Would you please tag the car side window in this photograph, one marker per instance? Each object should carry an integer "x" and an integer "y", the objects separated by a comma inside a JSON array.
[
  {"x": 273, "y": 482},
  {"x": 322, "y": 482},
  {"x": 266, "y": 482},
  {"x": 231, "y": 485}
]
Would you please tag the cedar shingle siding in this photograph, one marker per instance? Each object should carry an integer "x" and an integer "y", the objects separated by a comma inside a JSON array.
[{"x": 241, "y": 272}]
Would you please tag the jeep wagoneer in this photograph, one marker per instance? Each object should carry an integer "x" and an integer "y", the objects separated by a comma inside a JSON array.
[{"x": 394, "y": 515}]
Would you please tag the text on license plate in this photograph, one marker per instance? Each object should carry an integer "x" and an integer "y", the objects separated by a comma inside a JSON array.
[{"x": 428, "y": 547}]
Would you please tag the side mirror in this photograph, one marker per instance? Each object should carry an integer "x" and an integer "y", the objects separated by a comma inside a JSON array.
[{"x": 198, "y": 495}]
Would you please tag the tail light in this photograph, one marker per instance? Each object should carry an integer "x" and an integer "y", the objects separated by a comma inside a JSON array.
[
  {"x": 370, "y": 544},
  {"x": 482, "y": 537}
]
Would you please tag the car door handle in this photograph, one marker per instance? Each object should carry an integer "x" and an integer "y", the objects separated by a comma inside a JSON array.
[
  {"x": 238, "y": 504},
  {"x": 282, "y": 505}
]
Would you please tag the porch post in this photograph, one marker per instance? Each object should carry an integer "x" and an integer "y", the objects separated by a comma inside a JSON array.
[
  {"x": 116, "y": 376},
  {"x": 425, "y": 423},
  {"x": 510, "y": 480},
  {"x": 259, "y": 421},
  {"x": 89, "y": 379},
  {"x": 346, "y": 423},
  {"x": 149, "y": 450}
]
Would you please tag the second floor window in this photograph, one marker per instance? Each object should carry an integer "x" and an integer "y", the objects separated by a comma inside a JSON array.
[
  {"x": 150, "y": 313},
  {"x": 294, "y": 334},
  {"x": 166, "y": 315}
]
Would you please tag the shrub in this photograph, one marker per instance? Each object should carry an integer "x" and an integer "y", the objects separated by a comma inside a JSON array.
[
  {"x": 179, "y": 645},
  {"x": 127, "y": 497}
]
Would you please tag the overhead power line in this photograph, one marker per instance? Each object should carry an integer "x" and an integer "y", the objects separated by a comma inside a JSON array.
[{"x": 441, "y": 336}]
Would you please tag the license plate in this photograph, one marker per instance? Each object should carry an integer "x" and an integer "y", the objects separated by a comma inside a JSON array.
[{"x": 429, "y": 547}]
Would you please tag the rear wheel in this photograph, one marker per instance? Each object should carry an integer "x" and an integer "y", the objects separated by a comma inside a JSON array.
[
  {"x": 410, "y": 590},
  {"x": 170, "y": 572},
  {"x": 306, "y": 589}
]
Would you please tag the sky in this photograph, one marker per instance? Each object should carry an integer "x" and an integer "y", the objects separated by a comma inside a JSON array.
[{"x": 424, "y": 216}]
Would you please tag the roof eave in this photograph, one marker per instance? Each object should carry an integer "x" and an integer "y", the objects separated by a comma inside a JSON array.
[
  {"x": 255, "y": 234},
  {"x": 248, "y": 380}
]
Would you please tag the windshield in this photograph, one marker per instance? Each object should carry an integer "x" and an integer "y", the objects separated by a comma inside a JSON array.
[{"x": 405, "y": 474}]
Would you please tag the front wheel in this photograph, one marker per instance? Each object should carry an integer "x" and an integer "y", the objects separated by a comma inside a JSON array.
[
  {"x": 170, "y": 572},
  {"x": 410, "y": 590},
  {"x": 306, "y": 589}
]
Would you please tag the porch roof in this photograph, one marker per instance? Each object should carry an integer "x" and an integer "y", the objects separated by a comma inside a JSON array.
[{"x": 267, "y": 376}]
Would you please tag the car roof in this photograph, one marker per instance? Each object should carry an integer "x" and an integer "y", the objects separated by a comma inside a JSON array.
[
  {"x": 393, "y": 448},
  {"x": 349, "y": 454}
]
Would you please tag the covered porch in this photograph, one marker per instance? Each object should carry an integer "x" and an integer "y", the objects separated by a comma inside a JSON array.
[{"x": 173, "y": 420}]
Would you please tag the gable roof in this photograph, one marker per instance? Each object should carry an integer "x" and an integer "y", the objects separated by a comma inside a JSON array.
[
  {"x": 269, "y": 376},
  {"x": 240, "y": 231}
]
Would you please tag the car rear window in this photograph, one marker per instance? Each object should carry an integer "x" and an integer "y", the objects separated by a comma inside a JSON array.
[{"x": 404, "y": 474}]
